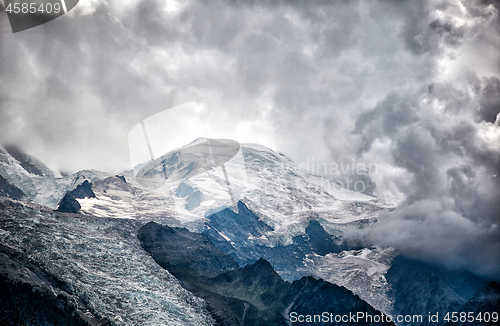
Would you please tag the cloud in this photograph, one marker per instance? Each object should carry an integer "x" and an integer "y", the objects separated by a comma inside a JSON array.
[
  {"x": 450, "y": 212},
  {"x": 410, "y": 86},
  {"x": 490, "y": 100},
  {"x": 108, "y": 65}
]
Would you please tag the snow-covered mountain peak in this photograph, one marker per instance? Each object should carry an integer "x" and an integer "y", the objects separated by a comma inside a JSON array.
[
  {"x": 200, "y": 156},
  {"x": 198, "y": 140},
  {"x": 211, "y": 174}
]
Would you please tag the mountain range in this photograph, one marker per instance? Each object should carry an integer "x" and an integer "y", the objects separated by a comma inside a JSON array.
[{"x": 215, "y": 232}]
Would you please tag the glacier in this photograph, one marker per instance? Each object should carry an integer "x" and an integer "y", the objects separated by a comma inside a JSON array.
[{"x": 98, "y": 263}]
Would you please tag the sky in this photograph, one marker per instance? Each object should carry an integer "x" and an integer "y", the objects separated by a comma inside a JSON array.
[{"x": 411, "y": 88}]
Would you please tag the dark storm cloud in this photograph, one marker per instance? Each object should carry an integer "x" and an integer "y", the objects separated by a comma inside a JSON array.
[
  {"x": 490, "y": 99},
  {"x": 451, "y": 211},
  {"x": 421, "y": 35},
  {"x": 105, "y": 68},
  {"x": 386, "y": 119},
  {"x": 72, "y": 87},
  {"x": 443, "y": 139}
]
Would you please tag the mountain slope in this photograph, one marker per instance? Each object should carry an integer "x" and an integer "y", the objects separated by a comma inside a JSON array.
[
  {"x": 21, "y": 304},
  {"x": 251, "y": 295},
  {"x": 254, "y": 203},
  {"x": 484, "y": 307},
  {"x": 29, "y": 163},
  {"x": 244, "y": 236},
  {"x": 98, "y": 264},
  {"x": 280, "y": 199},
  {"x": 419, "y": 288},
  {"x": 184, "y": 252},
  {"x": 9, "y": 190},
  {"x": 32, "y": 178}
]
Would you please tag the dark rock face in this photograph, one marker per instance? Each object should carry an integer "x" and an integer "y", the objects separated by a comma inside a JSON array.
[
  {"x": 241, "y": 224},
  {"x": 69, "y": 204},
  {"x": 184, "y": 253},
  {"x": 9, "y": 190},
  {"x": 419, "y": 288},
  {"x": 309, "y": 296},
  {"x": 244, "y": 225},
  {"x": 256, "y": 283},
  {"x": 238, "y": 227},
  {"x": 121, "y": 177},
  {"x": 20, "y": 304},
  {"x": 250, "y": 295},
  {"x": 317, "y": 240},
  {"x": 486, "y": 299},
  {"x": 83, "y": 191},
  {"x": 485, "y": 305},
  {"x": 111, "y": 183}
]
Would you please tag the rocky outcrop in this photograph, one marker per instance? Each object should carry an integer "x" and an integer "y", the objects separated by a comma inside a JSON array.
[
  {"x": 483, "y": 306},
  {"x": 69, "y": 204},
  {"x": 185, "y": 254},
  {"x": 245, "y": 229},
  {"x": 418, "y": 288},
  {"x": 83, "y": 191},
  {"x": 251, "y": 295}
]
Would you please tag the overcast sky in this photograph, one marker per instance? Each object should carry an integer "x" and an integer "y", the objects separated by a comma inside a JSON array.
[{"x": 412, "y": 86}]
